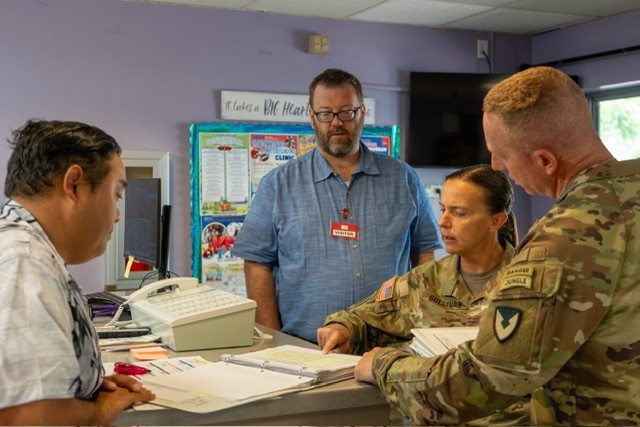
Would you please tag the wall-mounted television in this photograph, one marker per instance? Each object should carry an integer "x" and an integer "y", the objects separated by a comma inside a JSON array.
[{"x": 445, "y": 119}]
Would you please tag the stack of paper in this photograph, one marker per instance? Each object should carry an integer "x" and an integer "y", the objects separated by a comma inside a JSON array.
[
  {"x": 430, "y": 342},
  {"x": 114, "y": 344},
  {"x": 304, "y": 362},
  {"x": 196, "y": 385}
]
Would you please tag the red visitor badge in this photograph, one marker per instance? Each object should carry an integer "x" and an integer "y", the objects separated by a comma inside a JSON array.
[{"x": 344, "y": 230}]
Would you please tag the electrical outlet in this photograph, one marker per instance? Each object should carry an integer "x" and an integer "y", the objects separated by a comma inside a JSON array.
[
  {"x": 483, "y": 48},
  {"x": 318, "y": 44}
]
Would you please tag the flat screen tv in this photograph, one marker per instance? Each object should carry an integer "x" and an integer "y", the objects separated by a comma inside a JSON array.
[
  {"x": 445, "y": 119},
  {"x": 147, "y": 224}
]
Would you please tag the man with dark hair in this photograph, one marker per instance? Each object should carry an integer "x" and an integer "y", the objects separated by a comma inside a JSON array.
[
  {"x": 324, "y": 230},
  {"x": 63, "y": 183}
]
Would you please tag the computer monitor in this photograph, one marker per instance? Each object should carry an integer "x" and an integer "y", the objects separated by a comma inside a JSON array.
[
  {"x": 147, "y": 224},
  {"x": 165, "y": 231}
]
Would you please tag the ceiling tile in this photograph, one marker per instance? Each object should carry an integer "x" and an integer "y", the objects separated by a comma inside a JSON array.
[
  {"x": 595, "y": 8},
  {"x": 512, "y": 16},
  {"x": 321, "y": 8},
  {"x": 223, "y": 4},
  {"x": 419, "y": 12},
  {"x": 492, "y": 3},
  {"x": 516, "y": 21}
]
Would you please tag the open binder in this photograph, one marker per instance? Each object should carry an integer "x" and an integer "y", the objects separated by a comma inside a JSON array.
[
  {"x": 196, "y": 385},
  {"x": 300, "y": 361}
]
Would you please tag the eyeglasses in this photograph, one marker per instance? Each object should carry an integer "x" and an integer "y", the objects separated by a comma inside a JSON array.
[{"x": 328, "y": 116}]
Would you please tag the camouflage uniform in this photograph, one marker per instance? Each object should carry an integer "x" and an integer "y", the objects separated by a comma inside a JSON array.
[
  {"x": 434, "y": 294},
  {"x": 563, "y": 323}
]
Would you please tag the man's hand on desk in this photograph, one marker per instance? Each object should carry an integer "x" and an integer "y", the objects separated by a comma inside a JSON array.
[
  {"x": 363, "y": 368},
  {"x": 334, "y": 337},
  {"x": 117, "y": 394},
  {"x": 112, "y": 382}
]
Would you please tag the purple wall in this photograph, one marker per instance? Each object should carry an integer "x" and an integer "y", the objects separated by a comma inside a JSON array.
[
  {"x": 615, "y": 32},
  {"x": 144, "y": 72}
]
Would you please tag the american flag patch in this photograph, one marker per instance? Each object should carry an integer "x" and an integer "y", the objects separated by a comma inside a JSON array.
[{"x": 386, "y": 290}]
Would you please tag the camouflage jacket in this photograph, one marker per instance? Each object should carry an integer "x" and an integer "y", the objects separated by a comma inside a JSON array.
[
  {"x": 433, "y": 294},
  {"x": 562, "y": 323}
]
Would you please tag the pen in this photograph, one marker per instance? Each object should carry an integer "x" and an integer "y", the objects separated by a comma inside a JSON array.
[
  {"x": 158, "y": 367},
  {"x": 129, "y": 369},
  {"x": 186, "y": 363}
]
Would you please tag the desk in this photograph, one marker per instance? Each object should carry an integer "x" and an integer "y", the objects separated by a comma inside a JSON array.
[{"x": 343, "y": 403}]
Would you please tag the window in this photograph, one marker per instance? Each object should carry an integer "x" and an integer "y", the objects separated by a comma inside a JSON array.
[{"x": 616, "y": 113}]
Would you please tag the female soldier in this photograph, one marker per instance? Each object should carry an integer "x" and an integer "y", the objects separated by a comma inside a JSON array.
[{"x": 478, "y": 231}]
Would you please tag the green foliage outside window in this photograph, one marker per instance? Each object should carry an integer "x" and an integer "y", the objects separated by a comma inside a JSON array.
[{"x": 619, "y": 126}]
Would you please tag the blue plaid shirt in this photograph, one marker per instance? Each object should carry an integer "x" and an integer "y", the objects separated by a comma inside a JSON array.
[{"x": 288, "y": 228}]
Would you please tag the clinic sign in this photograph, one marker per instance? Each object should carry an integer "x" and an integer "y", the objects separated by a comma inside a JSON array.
[{"x": 273, "y": 107}]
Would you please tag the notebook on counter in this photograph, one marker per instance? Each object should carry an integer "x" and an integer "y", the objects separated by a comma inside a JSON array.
[
  {"x": 300, "y": 361},
  {"x": 196, "y": 385}
]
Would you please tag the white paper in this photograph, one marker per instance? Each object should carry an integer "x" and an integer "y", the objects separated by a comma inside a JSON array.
[
  {"x": 228, "y": 382},
  {"x": 434, "y": 341}
]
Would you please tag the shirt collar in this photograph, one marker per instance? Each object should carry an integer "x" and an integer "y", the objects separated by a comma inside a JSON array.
[
  {"x": 450, "y": 274},
  {"x": 322, "y": 170},
  {"x": 605, "y": 170},
  {"x": 15, "y": 213}
]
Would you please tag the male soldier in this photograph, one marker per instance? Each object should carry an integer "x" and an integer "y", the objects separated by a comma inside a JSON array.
[{"x": 558, "y": 323}]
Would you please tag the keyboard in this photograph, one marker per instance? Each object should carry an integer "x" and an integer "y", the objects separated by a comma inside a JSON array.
[
  {"x": 122, "y": 332},
  {"x": 104, "y": 298},
  {"x": 194, "y": 304}
]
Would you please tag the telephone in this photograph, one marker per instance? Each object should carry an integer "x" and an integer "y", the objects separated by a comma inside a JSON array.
[{"x": 190, "y": 316}]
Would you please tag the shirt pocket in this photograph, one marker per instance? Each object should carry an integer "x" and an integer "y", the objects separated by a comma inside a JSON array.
[{"x": 391, "y": 224}]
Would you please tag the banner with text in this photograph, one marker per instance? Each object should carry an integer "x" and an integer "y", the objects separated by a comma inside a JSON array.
[{"x": 273, "y": 107}]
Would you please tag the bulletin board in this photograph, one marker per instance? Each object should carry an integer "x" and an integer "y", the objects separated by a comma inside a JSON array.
[{"x": 228, "y": 160}]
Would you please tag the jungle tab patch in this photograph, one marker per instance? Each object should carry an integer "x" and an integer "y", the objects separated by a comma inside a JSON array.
[
  {"x": 518, "y": 277},
  {"x": 386, "y": 290},
  {"x": 506, "y": 322}
]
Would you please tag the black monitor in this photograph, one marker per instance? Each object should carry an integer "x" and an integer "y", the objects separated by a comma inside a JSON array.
[
  {"x": 445, "y": 119},
  {"x": 147, "y": 224},
  {"x": 165, "y": 230}
]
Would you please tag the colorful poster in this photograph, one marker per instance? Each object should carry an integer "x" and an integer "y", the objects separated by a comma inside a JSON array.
[
  {"x": 224, "y": 182},
  {"x": 228, "y": 160},
  {"x": 377, "y": 144},
  {"x": 269, "y": 151},
  {"x": 219, "y": 267}
]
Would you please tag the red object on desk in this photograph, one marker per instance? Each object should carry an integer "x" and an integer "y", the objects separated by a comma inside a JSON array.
[{"x": 129, "y": 369}]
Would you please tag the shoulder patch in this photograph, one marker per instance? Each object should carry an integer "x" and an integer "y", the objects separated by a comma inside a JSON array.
[
  {"x": 402, "y": 285},
  {"x": 386, "y": 290},
  {"x": 505, "y": 322},
  {"x": 518, "y": 277}
]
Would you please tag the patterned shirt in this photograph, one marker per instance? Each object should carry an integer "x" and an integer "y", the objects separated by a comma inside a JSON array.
[
  {"x": 561, "y": 324},
  {"x": 49, "y": 347},
  {"x": 289, "y": 223}
]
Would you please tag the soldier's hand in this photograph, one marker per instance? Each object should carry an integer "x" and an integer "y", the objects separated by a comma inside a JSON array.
[
  {"x": 334, "y": 337},
  {"x": 363, "y": 368}
]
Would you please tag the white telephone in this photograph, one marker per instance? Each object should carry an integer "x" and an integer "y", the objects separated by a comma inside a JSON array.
[
  {"x": 182, "y": 283},
  {"x": 192, "y": 316}
]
